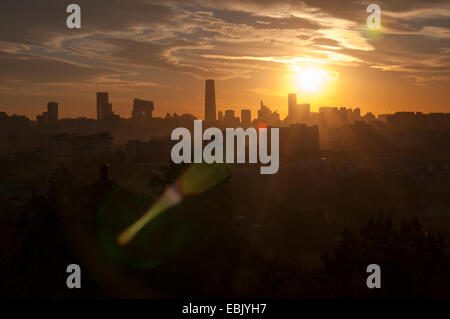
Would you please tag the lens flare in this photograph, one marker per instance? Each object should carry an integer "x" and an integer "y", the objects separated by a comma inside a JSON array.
[{"x": 197, "y": 179}]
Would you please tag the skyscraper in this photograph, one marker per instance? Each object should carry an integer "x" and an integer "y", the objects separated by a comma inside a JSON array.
[
  {"x": 292, "y": 107},
  {"x": 107, "y": 111},
  {"x": 102, "y": 104},
  {"x": 230, "y": 120},
  {"x": 210, "y": 102},
  {"x": 142, "y": 109},
  {"x": 304, "y": 113}
]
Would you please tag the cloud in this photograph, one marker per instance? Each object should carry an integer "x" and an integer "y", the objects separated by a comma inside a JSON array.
[
  {"x": 44, "y": 22},
  {"x": 221, "y": 39},
  {"x": 35, "y": 69}
]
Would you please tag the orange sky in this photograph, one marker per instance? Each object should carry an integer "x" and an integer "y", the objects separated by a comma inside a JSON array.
[{"x": 256, "y": 50}]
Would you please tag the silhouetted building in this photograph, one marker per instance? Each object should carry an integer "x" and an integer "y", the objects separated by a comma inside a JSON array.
[
  {"x": 356, "y": 114},
  {"x": 102, "y": 104},
  {"x": 266, "y": 115},
  {"x": 142, "y": 110},
  {"x": 246, "y": 118},
  {"x": 52, "y": 112},
  {"x": 210, "y": 102},
  {"x": 303, "y": 113},
  {"x": 383, "y": 117},
  {"x": 104, "y": 108},
  {"x": 50, "y": 117},
  {"x": 292, "y": 107},
  {"x": 369, "y": 117},
  {"x": 406, "y": 120},
  {"x": 42, "y": 118},
  {"x": 229, "y": 120},
  {"x": 105, "y": 112},
  {"x": 333, "y": 116}
]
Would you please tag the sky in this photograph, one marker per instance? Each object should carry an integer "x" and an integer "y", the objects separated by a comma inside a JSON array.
[{"x": 163, "y": 50}]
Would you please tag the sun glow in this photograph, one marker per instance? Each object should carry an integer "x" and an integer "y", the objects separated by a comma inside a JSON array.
[{"x": 309, "y": 80}]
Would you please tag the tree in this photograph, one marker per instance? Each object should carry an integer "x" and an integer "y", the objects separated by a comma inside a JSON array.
[{"x": 413, "y": 262}]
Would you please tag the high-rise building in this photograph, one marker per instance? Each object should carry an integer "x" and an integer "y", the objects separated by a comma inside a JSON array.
[
  {"x": 52, "y": 112},
  {"x": 230, "y": 120},
  {"x": 304, "y": 112},
  {"x": 266, "y": 115},
  {"x": 107, "y": 111},
  {"x": 246, "y": 117},
  {"x": 50, "y": 117},
  {"x": 102, "y": 104},
  {"x": 292, "y": 107},
  {"x": 210, "y": 102},
  {"x": 229, "y": 114},
  {"x": 142, "y": 109}
]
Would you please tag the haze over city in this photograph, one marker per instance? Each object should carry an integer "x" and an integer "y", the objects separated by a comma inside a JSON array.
[{"x": 256, "y": 50}]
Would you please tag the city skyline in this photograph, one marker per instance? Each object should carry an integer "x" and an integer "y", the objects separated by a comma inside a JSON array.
[
  {"x": 144, "y": 110},
  {"x": 256, "y": 50},
  {"x": 141, "y": 109},
  {"x": 123, "y": 109}
]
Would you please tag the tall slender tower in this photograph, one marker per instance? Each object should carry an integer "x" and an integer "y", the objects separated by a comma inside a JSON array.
[
  {"x": 210, "y": 102},
  {"x": 292, "y": 107},
  {"x": 102, "y": 103}
]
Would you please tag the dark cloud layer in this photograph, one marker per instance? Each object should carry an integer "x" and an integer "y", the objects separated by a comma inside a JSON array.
[{"x": 137, "y": 27}]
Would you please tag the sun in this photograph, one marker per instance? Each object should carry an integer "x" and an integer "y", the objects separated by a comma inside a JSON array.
[{"x": 310, "y": 80}]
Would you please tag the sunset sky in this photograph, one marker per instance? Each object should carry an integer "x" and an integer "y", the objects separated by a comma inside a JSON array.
[{"x": 256, "y": 50}]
